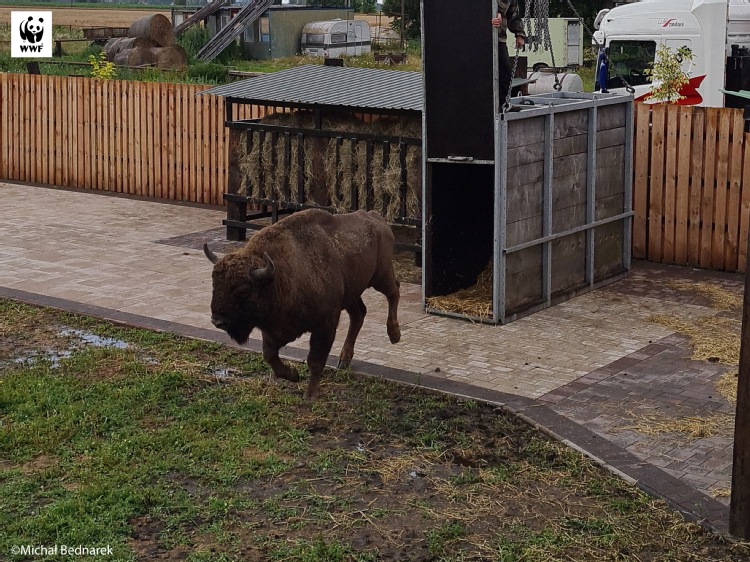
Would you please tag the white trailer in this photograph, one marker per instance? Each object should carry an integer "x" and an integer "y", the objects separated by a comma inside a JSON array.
[
  {"x": 566, "y": 36},
  {"x": 336, "y": 38},
  {"x": 717, "y": 32}
]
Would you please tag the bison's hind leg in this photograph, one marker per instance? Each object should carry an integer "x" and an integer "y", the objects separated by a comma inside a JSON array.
[
  {"x": 357, "y": 313},
  {"x": 389, "y": 286}
]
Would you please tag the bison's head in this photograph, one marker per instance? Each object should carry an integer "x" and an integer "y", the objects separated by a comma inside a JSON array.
[{"x": 241, "y": 297}]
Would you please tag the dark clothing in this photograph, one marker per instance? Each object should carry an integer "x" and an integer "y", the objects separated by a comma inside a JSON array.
[{"x": 512, "y": 22}]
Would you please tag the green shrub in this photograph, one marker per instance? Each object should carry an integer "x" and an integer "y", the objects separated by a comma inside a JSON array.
[
  {"x": 208, "y": 71},
  {"x": 193, "y": 40}
]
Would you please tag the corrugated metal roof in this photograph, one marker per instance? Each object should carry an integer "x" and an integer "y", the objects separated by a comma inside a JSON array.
[{"x": 363, "y": 88}]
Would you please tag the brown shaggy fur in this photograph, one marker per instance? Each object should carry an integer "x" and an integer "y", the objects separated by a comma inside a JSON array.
[{"x": 322, "y": 264}]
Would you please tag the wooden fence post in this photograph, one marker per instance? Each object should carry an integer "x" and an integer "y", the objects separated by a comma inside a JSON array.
[{"x": 739, "y": 507}]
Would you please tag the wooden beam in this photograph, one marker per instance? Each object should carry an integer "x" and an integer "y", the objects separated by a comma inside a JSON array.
[{"x": 739, "y": 507}]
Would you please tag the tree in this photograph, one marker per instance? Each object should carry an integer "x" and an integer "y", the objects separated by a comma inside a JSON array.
[
  {"x": 667, "y": 74},
  {"x": 363, "y": 6},
  {"x": 412, "y": 16}
]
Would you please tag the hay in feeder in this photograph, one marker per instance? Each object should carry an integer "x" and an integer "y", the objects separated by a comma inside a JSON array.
[
  {"x": 474, "y": 301},
  {"x": 720, "y": 298},
  {"x": 713, "y": 338},
  {"x": 414, "y": 182},
  {"x": 249, "y": 163},
  {"x": 335, "y": 169},
  {"x": 360, "y": 176},
  {"x": 333, "y": 178},
  {"x": 347, "y": 177},
  {"x": 392, "y": 183}
]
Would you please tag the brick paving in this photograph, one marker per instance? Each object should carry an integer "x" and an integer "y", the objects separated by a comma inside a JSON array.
[{"x": 583, "y": 370}]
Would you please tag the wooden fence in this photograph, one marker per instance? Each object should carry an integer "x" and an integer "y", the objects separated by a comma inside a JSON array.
[
  {"x": 692, "y": 165},
  {"x": 142, "y": 138},
  {"x": 692, "y": 186}
]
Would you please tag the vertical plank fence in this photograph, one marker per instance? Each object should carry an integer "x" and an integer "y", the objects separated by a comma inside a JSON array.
[
  {"x": 691, "y": 178},
  {"x": 692, "y": 186},
  {"x": 141, "y": 138}
]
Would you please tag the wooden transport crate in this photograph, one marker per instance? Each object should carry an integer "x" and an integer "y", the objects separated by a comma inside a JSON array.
[{"x": 550, "y": 217}]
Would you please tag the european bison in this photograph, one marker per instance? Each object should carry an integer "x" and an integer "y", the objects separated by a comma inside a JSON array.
[{"x": 296, "y": 276}]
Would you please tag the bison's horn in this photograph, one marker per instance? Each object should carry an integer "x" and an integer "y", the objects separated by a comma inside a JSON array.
[
  {"x": 209, "y": 254},
  {"x": 264, "y": 273}
]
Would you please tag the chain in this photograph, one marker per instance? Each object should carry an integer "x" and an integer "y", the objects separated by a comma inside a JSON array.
[
  {"x": 506, "y": 103},
  {"x": 601, "y": 49}
]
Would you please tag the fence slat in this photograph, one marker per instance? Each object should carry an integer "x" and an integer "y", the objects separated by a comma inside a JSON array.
[
  {"x": 709, "y": 186},
  {"x": 656, "y": 192},
  {"x": 720, "y": 201},
  {"x": 180, "y": 191},
  {"x": 206, "y": 156},
  {"x": 682, "y": 186},
  {"x": 731, "y": 253},
  {"x": 696, "y": 188},
  {"x": 27, "y": 108},
  {"x": 4, "y": 125},
  {"x": 744, "y": 205},
  {"x": 172, "y": 188},
  {"x": 670, "y": 185}
]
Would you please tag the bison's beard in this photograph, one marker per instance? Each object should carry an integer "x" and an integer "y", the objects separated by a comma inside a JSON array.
[{"x": 240, "y": 334}]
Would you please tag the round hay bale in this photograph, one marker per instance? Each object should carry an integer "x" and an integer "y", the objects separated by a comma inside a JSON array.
[
  {"x": 171, "y": 58},
  {"x": 156, "y": 27},
  {"x": 138, "y": 56},
  {"x": 115, "y": 46}
]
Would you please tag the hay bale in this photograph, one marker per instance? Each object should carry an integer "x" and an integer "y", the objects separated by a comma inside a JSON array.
[
  {"x": 119, "y": 44},
  {"x": 173, "y": 57},
  {"x": 156, "y": 27},
  {"x": 138, "y": 56}
]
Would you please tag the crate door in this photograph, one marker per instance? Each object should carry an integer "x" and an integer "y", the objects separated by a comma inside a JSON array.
[{"x": 458, "y": 74}]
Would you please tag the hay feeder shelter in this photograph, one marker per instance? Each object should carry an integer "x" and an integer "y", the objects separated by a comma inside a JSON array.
[
  {"x": 526, "y": 206},
  {"x": 329, "y": 137}
]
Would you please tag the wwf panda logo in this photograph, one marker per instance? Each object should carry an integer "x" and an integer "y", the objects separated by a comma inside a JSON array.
[{"x": 31, "y": 30}]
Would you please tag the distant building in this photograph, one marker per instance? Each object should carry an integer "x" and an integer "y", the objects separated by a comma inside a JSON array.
[{"x": 275, "y": 34}]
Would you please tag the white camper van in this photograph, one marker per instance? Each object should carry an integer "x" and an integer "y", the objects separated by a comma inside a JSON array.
[
  {"x": 336, "y": 38},
  {"x": 566, "y": 35},
  {"x": 717, "y": 31}
]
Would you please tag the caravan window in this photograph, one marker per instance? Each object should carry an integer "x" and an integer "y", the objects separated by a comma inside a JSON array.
[
  {"x": 315, "y": 39},
  {"x": 629, "y": 60},
  {"x": 338, "y": 38},
  {"x": 263, "y": 26}
]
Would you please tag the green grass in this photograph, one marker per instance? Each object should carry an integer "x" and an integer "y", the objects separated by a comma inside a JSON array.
[{"x": 146, "y": 450}]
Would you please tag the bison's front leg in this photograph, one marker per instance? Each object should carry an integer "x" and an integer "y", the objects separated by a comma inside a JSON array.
[
  {"x": 280, "y": 369},
  {"x": 321, "y": 342}
]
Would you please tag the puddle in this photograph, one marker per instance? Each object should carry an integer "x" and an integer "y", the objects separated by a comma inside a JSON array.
[
  {"x": 84, "y": 339},
  {"x": 224, "y": 372},
  {"x": 54, "y": 358},
  {"x": 94, "y": 340}
]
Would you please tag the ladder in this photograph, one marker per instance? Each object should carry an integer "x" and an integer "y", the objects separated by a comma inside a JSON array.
[
  {"x": 204, "y": 12},
  {"x": 235, "y": 27}
]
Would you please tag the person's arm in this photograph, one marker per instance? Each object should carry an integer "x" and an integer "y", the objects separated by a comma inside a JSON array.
[{"x": 515, "y": 25}]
